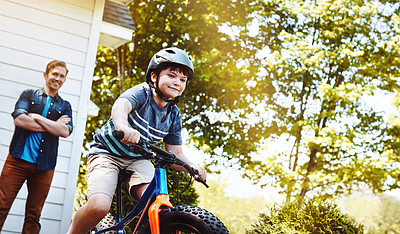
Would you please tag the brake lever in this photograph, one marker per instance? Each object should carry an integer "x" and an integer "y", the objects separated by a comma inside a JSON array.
[{"x": 143, "y": 149}]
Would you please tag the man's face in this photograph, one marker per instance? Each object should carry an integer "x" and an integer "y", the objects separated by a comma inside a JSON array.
[
  {"x": 171, "y": 83},
  {"x": 55, "y": 78}
]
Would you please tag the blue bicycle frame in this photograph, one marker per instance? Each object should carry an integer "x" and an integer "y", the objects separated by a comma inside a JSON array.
[{"x": 156, "y": 194}]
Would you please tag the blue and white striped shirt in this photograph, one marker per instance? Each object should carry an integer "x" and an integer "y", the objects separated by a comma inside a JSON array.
[{"x": 145, "y": 117}]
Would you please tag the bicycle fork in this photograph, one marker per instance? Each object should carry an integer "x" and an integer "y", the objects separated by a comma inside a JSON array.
[{"x": 161, "y": 202}]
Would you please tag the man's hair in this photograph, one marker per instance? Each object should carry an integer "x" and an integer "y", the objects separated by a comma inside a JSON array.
[{"x": 55, "y": 63}]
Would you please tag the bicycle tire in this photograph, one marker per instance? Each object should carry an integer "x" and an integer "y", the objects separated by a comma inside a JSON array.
[
  {"x": 107, "y": 221},
  {"x": 187, "y": 219}
]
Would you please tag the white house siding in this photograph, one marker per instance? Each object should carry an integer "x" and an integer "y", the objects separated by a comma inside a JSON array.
[{"x": 32, "y": 33}]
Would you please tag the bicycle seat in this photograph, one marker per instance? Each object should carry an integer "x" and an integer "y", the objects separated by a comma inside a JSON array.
[{"x": 124, "y": 174}]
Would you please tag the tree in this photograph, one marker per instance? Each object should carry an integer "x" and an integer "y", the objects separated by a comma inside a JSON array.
[
  {"x": 305, "y": 216},
  {"x": 326, "y": 59},
  {"x": 392, "y": 150},
  {"x": 195, "y": 27}
]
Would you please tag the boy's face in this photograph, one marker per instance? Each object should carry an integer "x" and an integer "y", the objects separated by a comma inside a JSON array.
[{"x": 171, "y": 83}]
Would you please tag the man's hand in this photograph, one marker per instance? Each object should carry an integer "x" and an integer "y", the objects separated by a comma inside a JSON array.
[
  {"x": 64, "y": 119},
  {"x": 57, "y": 128}
]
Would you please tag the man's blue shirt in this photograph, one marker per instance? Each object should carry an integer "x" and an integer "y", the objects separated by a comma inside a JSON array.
[
  {"x": 34, "y": 101},
  {"x": 32, "y": 142}
]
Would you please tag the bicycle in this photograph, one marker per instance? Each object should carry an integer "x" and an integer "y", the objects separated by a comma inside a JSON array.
[{"x": 157, "y": 213}]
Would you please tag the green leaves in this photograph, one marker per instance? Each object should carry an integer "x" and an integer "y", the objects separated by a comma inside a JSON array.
[
  {"x": 311, "y": 216},
  {"x": 321, "y": 61},
  {"x": 326, "y": 59}
]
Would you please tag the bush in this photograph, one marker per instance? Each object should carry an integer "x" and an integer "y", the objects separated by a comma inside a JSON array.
[{"x": 310, "y": 216}]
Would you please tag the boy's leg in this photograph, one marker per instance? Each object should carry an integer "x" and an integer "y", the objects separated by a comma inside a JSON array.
[
  {"x": 38, "y": 183},
  {"x": 137, "y": 191},
  {"x": 102, "y": 179},
  {"x": 11, "y": 180},
  {"x": 90, "y": 214},
  {"x": 142, "y": 174}
]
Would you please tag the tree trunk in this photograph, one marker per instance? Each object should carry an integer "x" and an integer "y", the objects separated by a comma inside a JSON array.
[
  {"x": 121, "y": 56},
  {"x": 310, "y": 168},
  {"x": 135, "y": 40}
]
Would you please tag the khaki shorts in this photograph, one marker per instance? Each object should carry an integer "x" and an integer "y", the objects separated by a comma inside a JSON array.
[{"x": 103, "y": 170}]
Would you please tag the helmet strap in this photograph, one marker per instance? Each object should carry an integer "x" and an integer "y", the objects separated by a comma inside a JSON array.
[
  {"x": 161, "y": 95},
  {"x": 170, "y": 101}
]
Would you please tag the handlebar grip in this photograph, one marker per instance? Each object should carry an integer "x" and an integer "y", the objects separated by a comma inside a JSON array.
[
  {"x": 197, "y": 177},
  {"x": 118, "y": 134}
]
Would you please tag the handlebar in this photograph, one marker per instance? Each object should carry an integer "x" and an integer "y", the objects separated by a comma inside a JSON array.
[
  {"x": 150, "y": 151},
  {"x": 144, "y": 147}
]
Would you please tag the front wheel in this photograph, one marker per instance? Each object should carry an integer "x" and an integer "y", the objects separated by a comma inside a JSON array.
[{"x": 187, "y": 219}]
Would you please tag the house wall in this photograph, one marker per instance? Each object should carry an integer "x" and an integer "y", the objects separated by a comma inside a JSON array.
[{"x": 32, "y": 33}]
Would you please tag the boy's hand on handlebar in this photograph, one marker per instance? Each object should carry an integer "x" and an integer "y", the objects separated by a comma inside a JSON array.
[
  {"x": 131, "y": 136},
  {"x": 202, "y": 172}
]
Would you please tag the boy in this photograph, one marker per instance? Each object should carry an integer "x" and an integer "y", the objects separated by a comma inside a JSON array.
[{"x": 147, "y": 111}]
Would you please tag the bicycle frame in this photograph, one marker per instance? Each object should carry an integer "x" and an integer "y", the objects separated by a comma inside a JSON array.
[{"x": 156, "y": 194}]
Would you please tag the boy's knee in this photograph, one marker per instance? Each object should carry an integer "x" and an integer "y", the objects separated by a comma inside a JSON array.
[
  {"x": 99, "y": 205},
  {"x": 99, "y": 211}
]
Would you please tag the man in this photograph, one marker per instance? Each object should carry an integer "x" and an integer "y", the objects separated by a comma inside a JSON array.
[{"x": 41, "y": 116}]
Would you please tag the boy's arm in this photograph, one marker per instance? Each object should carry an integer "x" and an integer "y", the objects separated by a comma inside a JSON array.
[
  {"x": 177, "y": 150},
  {"x": 119, "y": 113},
  {"x": 57, "y": 128}
]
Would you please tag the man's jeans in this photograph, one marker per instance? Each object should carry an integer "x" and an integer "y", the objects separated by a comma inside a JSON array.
[{"x": 13, "y": 176}]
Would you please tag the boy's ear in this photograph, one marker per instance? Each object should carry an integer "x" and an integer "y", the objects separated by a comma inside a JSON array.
[{"x": 153, "y": 77}]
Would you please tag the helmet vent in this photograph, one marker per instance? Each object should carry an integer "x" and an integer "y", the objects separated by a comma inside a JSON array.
[{"x": 170, "y": 51}]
